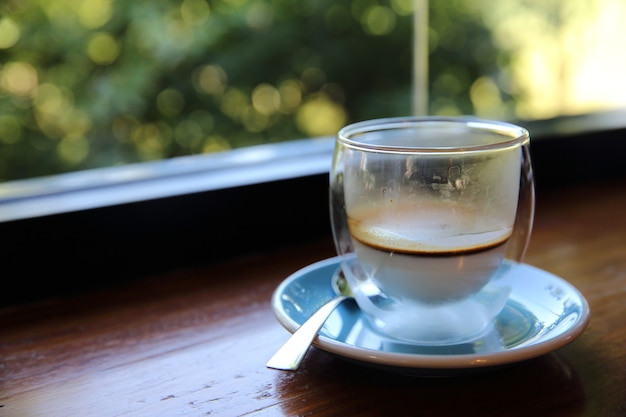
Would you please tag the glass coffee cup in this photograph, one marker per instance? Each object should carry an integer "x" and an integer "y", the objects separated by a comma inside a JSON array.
[{"x": 427, "y": 214}]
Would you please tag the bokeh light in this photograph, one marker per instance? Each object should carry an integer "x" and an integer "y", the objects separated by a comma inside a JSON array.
[
  {"x": 170, "y": 102},
  {"x": 103, "y": 48},
  {"x": 320, "y": 116},
  {"x": 19, "y": 79},
  {"x": 234, "y": 103},
  {"x": 260, "y": 15},
  {"x": 9, "y": 32},
  {"x": 195, "y": 12},
  {"x": 378, "y": 20},
  {"x": 290, "y": 95},
  {"x": 90, "y": 83},
  {"x": 266, "y": 99},
  {"x": 93, "y": 14},
  {"x": 211, "y": 79}
]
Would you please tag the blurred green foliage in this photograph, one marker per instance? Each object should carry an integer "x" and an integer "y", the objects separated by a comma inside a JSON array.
[{"x": 93, "y": 83}]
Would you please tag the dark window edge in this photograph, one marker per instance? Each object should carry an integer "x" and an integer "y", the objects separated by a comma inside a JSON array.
[
  {"x": 132, "y": 183},
  {"x": 200, "y": 215}
]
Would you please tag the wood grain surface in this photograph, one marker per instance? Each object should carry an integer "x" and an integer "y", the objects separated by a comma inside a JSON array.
[{"x": 195, "y": 342}]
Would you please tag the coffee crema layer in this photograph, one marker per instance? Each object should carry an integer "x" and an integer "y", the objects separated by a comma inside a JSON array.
[
  {"x": 434, "y": 230},
  {"x": 434, "y": 254}
]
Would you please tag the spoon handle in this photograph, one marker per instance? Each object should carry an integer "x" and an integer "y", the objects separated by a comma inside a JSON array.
[{"x": 291, "y": 353}]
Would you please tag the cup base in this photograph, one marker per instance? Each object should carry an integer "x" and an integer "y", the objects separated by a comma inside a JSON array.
[{"x": 439, "y": 325}]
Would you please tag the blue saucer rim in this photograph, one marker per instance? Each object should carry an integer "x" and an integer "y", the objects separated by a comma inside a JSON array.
[{"x": 410, "y": 361}]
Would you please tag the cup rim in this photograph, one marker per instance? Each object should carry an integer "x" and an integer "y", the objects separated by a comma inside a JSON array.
[{"x": 511, "y": 135}]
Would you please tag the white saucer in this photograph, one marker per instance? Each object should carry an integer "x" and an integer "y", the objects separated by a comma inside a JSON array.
[{"x": 542, "y": 314}]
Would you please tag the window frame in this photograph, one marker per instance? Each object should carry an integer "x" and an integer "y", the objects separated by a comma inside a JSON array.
[{"x": 92, "y": 229}]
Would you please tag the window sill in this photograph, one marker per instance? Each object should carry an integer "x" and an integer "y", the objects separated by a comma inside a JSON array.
[{"x": 99, "y": 227}]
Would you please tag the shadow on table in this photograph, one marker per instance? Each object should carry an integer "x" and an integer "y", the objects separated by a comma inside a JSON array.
[{"x": 544, "y": 386}]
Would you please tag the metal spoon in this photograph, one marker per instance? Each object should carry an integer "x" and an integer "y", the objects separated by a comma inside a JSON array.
[{"x": 291, "y": 353}]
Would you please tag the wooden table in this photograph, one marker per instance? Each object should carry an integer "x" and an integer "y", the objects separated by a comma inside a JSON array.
[{"x": 195, "y": 342}]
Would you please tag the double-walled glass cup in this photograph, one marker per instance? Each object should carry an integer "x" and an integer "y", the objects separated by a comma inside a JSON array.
[{"x": 427, "y": 213}]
